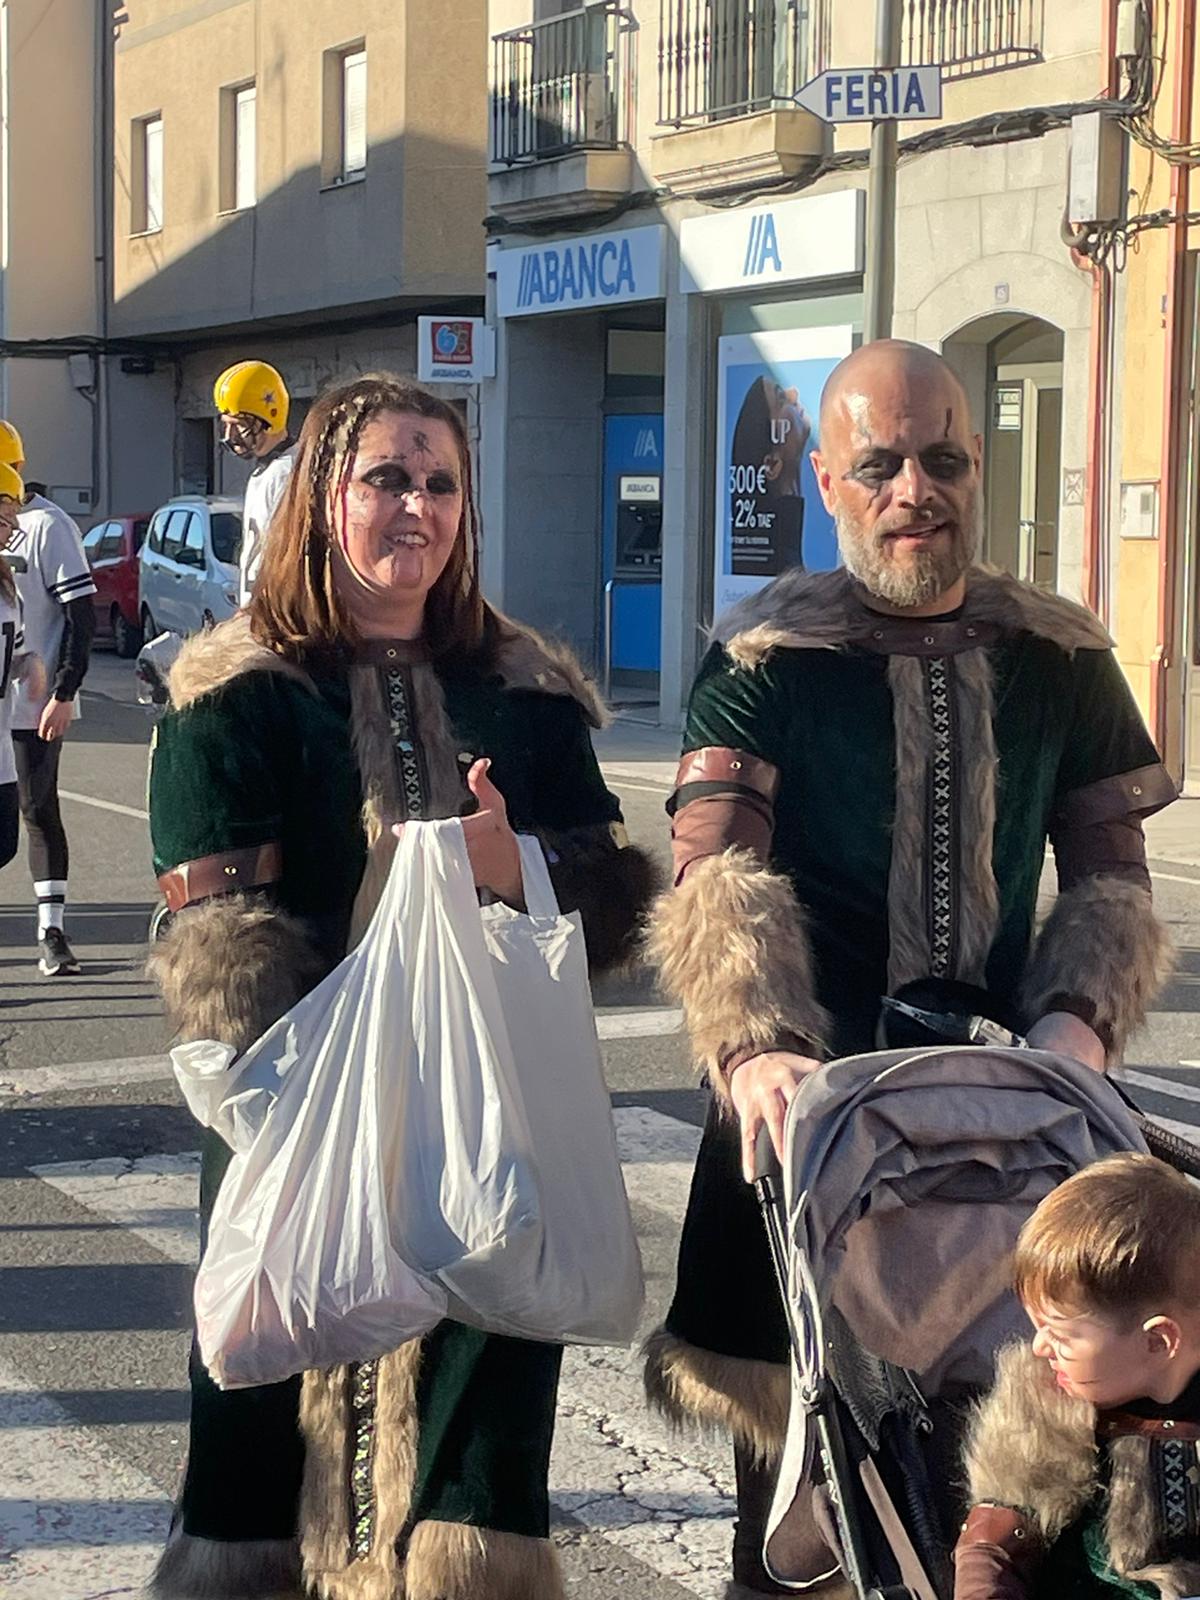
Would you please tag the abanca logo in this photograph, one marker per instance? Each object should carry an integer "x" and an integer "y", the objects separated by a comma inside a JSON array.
[
  {"x": 762, "y": 247},
  {"x": 575, "y": 271}
]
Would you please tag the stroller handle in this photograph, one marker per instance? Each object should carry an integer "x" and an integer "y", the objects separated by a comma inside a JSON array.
[{"x": 766, "y": 1162}]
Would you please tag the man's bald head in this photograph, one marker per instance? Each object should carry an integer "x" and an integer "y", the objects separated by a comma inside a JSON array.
[
  {"x": 899, "y": 470},
  {"x": 887, "y": 366}
]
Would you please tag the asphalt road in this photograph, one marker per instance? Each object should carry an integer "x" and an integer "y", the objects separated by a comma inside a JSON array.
[{"x": 97, "y": 1224}]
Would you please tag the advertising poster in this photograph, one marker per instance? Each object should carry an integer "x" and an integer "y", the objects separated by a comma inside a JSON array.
[{"x": 769, "y": 511}]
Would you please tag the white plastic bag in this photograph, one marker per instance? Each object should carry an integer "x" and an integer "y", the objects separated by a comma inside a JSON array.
[{"x": 426, "y": 1132}]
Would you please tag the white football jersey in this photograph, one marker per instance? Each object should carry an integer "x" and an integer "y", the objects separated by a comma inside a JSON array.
[{"x": 47, "y": 559}]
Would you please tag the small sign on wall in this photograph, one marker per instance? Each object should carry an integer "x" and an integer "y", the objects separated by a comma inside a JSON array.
[
  {"x": 1139, "y": 509},
  {"x": 455, "y": 350}
]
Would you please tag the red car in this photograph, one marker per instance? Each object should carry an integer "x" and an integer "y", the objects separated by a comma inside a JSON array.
[{"x": 112, "y": 551}]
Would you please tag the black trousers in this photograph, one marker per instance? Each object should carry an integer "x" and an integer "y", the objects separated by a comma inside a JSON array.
[
  {"x": 9, "y": 822},
  {"x": 37, "y": 785}
]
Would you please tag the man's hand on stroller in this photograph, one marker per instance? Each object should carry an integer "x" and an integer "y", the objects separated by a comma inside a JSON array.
[{"x": 762, "y": 1088}]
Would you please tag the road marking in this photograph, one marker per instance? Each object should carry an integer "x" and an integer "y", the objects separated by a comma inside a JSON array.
[
  {"x": 1172, "y": 877},
  {"x": 75, "y": 1519},
  {"x": 616, "y": 1467},
  {"x": 649, "y": 1023},
  {"x": 103, "y": 805},
  {"x": 84, "y": 1075},
  {"x": 1168, "y": 1086}
]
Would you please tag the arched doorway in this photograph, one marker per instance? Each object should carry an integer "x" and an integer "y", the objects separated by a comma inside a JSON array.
[{"x": 1012, "y": 366}]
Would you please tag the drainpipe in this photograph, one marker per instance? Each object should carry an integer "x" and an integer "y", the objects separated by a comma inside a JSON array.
[
  {"x": 1175, "y": 409},
  {"x": 1099, "y": 459}
]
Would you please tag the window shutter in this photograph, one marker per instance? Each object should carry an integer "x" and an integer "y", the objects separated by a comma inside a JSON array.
[
  {"x": 354, "y": 112},
  {"x": 245, "y": 148},
  {"x": 153, "y": 135}
]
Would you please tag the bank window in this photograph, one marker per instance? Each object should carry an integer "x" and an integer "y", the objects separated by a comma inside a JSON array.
[
  {"x": 344, "y": 115},
  {"x": 147, "y": 212},
  {"x": 239, "y": 147}
]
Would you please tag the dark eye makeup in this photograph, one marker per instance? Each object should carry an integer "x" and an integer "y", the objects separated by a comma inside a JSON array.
[
  {"x": 938, "y": 461},
  {"x": 395, "y": 479}
]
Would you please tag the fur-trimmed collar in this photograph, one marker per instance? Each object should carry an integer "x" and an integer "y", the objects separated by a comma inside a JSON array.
[
  {"x": 824, "y": 611},
  {"x": 1034, "y": 1448},
  {"x": 524, "y": 661}
]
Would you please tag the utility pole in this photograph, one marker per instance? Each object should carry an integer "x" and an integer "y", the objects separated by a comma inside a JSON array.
[{"x": 880, "y": 286}]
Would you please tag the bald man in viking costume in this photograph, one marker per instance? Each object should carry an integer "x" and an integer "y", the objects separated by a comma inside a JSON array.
[{"x": 874, "y": 760}]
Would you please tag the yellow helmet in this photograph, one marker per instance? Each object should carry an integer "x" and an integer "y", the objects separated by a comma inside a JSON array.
[
  {"x": 12, "y": 451},
  {"x": 12, "y": 485},
  {"x": 253, "y": 388}
]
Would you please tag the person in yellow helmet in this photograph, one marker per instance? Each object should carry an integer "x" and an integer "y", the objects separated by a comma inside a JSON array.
[
  {"x": 54, "y": 583},
  {"x": 14, "y": 662},
  {"x": 253, "y": 403}
]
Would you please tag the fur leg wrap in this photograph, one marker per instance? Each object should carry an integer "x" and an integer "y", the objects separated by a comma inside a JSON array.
[
  {"x": 229, "y": 968},
  {"x": 216, "y": 1569},
  {"x": 732, "y": 1395},
  {"x": 611, "y": 888},
  {"x": 731, "y": 947},
  {"x": 453, "y": 1561},
  {"x": 1103, "y": 943}
]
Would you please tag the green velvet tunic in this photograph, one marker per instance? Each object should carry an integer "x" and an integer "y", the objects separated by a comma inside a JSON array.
[
  {"x": 825, "y": 719},
  {"x": 265, "y": 758}
]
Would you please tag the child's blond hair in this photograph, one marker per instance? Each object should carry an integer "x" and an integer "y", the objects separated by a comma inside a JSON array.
[{"x": 1120, "y": 1236}]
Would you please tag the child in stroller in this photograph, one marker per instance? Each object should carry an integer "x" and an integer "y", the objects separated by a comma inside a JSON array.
[
  {"x": 908, "y": 1176},
  {"x": 1083, "y": 1463}
]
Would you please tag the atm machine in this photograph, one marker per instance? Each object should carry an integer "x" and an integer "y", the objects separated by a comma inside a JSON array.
[{"x": 632, "y": 545}]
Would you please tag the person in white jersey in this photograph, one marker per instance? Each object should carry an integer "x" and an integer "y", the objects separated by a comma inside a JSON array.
[
  {"x": 55, "y": 586},
  {"x": 253, "y": 403},
  {"x": 14, "y": 663}
]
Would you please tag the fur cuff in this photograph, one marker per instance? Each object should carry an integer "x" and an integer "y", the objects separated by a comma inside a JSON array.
[
  {"x": 451, "y": 1561},
  {"x": 1029, "y": 1445},
  {"x": 229, "y": 968},
  {"x": 217, "y": 1569},
  {"x": 731, "y": 947},
  {"x": 748, "y": 1400},
  {"x": 1103, "y": 943},
  {"x": 610, "y": 887}
]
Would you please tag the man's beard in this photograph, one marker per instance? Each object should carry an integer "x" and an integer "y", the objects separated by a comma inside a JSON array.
[{"x": 926, "y": 575}]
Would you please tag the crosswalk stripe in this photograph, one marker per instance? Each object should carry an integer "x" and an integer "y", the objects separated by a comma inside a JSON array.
[
  {"x": 616, "y": 1468},
  {"x": 63, "y": 1498},
  {"x": 1177, "y": 1088}
]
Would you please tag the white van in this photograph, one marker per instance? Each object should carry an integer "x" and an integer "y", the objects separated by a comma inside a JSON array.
[{"x": 188, "y": 565}]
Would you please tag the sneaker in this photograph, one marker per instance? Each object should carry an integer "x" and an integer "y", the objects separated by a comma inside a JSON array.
[{"x": 57, "y": 958}]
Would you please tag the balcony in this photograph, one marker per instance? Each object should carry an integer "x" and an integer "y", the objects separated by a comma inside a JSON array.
[
  {"x": 561, "y": 109},
  {"x": 727, "y": 71},
  {"x": 972, "y": 37}
]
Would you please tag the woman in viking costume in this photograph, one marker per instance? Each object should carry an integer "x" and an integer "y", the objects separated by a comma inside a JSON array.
[{"x": 368, "y": 683}]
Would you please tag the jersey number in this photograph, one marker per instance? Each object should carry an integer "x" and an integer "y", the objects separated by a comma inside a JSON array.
[{"x": 9, "y": 631}]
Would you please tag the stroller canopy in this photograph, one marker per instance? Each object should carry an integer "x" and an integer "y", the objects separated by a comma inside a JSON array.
[{"x": 907, "y": 1179}]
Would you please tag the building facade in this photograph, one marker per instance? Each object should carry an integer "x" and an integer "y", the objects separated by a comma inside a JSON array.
[
  {"x": 676, "y": 262},
  {"x": 274, "y": 178}
]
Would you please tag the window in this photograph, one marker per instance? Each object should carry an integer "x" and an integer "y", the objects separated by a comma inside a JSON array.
[
  {"x": 245, "y": 148},
  {"x": 157, "y": 525},
  {"x": 147, "y": 216},
  {"x": 139, "y": 532},
  {"x": 191, "y": 551},
  {"x": 112, "y": 546},
  {"x": 91, "y": 541},
  {"x": 344, "y": 135},
  {"x": 226, "y": 529},
  {"x": 239, "y": 147},
  {"x": 354, "y": 113},
  {"x": 174, "y": 534}
]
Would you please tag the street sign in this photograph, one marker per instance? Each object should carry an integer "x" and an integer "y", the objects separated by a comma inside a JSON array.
[
  {"x": 874, "y": 94},
  {"x": 455, "y": 350}
]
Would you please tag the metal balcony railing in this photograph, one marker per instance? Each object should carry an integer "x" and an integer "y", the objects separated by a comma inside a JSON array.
[
  {"x": 561, "y": 85},
  {"x": 727, "y": 58},
  {"x": 971, "y": 37}
]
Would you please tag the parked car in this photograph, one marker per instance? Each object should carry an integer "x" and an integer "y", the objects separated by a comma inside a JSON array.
[
  {"x": 189, "y": 565},
  {"x": 112, "y": 551}
]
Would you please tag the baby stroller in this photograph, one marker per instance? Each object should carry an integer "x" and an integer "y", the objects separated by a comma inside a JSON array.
[{"x": 909, "y": 1173}]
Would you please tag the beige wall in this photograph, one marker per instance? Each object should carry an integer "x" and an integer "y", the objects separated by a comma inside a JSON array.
[
  {"x": 410, "y": 230},
  {"x": 50, "y": 284}
]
